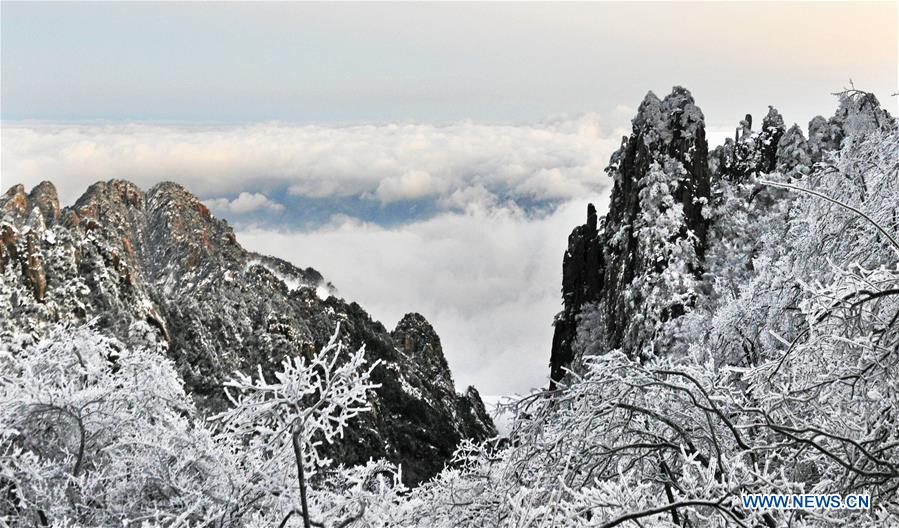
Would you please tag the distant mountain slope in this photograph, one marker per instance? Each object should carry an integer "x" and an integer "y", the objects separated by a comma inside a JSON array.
[{"x": 157, "y": 268}]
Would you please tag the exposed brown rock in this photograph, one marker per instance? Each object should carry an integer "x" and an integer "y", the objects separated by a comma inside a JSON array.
[
  {"x": 34, "y": 269},
  {"x": 156, "y": 320},
  {"x": 14, "y": 202},
  {"x": 44, "y": 197},
  {"x": 8, "y": 251}
]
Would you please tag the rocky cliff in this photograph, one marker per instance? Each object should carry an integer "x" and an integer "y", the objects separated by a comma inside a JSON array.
[
  {"x": 627, "y": 274},
  {"x": 157, "y": 269},
  {"x": 665, "y": 154}
]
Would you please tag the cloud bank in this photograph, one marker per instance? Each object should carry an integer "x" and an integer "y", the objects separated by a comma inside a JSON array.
[
  {"x": 465, "y": 223},
  {"x": 244, "y": 203},
  {"x": 384, "y": 164},
  {"x": 488, "y": 280}
]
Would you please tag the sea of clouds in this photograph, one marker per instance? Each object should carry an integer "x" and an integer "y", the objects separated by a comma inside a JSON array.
[{"x": 480, "y": 212}]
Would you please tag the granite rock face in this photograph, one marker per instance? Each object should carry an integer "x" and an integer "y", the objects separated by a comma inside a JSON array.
[
  {"x": 605, "y": 258},
  {"x": 750, "y": 153},
  {"x": 603, "y": 255},
  {"x": 582, "y": 281},
  {"x": 157, "y": 269}
]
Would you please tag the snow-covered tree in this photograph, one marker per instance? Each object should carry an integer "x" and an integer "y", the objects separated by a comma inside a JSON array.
[
  {"x": 96, "y": 434},
  {"x": 285, "y": 420},
  {"x": 776, "y": 371},
  {"x": 668, "y": 286},
  {"x": 93, "y": 433},
  {"x": 783, "y": 380}
]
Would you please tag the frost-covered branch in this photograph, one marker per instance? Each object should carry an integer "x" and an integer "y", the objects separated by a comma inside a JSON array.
[{"x": 859, "y": 212}]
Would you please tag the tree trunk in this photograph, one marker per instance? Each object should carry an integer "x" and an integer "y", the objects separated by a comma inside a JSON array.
[{"x": 301, "y": 475}]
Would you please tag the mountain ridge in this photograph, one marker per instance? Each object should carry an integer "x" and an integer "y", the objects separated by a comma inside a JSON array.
[{"x": 156, "y": 268}]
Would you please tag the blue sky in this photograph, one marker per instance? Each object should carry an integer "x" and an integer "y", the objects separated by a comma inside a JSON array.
[{"x": 424, "y": 157}]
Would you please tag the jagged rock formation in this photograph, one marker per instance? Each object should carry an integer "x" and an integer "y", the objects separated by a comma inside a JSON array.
[
  {"x": 420, "y": 343},
  {"x": 582, "y": 280},
  {"x": 604, "y": 257},
  {"x": 641, "y": 265},
  {"x": 157, "y": 269},
  {"x": 750, "y": 153}
]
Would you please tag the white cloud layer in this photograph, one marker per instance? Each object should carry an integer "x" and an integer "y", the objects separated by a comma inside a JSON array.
[
  {"x": 245, "y": 202},
  {"x": 553, "y": 160},
  {"x": 488, "y": 280},
  {"x": 482, "y": 270}
]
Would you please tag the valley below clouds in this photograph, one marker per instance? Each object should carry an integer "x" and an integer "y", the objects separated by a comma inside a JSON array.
[
  {"x": 488, "y": 280},
  {"x": 465, "y": 223}
]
